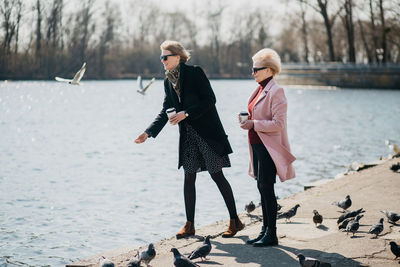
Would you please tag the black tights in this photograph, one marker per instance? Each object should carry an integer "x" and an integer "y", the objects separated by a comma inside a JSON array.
[
  {"x": 268, "y": 204},
  {"x": 265, "y": 171},
  {"x": 223, "y": 186}
]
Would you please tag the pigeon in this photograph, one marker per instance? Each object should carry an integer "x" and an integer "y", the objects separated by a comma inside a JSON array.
[
  {"x": 289, "y": 214},
  {"x": 391, "y": 216},
  {"x": 344, "y": 204},
  {"x": 376, "y": 229},
  {"x": 343, "y": 225},
  {"x": 311, "y": 262},
  {"x": 350, "y": 214},
  {"x": 181, "y": 261},
  {"x": 106, "y": 262},
  {"x": 395, "y": 249},
  {"x": 202, "y": 251},
  {"x": 250, "y": 207},
  {"x": 148, "y": 255},
  {"x": 142, "y": 90},
  {"x": 395, "y": 167},
  {"x": 135, "y": 261},
  {"x": 317, "y": 218},
  {"x": 353, "y": 225},
  {"x": 78, "y": 76}
]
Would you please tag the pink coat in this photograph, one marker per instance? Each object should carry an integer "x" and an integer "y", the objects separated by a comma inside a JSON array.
[{"x": 269, "y": 115}]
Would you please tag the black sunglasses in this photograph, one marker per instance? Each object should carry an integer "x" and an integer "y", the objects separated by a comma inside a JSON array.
[
  {"x": 165, "y": 57},
  {"x": 257, "y": 69}
]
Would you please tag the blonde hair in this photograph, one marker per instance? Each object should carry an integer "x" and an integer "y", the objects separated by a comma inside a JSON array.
[
  {"x": 268, "y": 58},
  {"x": 177, "y": 49}
]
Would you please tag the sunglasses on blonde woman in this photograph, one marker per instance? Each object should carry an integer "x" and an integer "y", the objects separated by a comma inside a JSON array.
[
  {"x": 165, "y": 57},
  {"x": 257, "y": 69}
]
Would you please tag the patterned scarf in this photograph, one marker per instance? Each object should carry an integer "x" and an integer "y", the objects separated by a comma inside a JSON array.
[{"x": 173, "y": 77}]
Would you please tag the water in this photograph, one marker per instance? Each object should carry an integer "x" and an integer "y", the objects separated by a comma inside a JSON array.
[{"x": 73, "y": 183}]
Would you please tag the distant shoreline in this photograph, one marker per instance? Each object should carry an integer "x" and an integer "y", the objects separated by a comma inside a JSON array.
[{"x": 331, "y": 75}]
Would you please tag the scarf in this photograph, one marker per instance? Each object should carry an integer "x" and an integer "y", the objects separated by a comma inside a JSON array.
[{"x": 173, "y": 77}]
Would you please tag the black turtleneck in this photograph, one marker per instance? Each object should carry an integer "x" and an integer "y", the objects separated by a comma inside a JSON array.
[{"x": 264, "y": 83}]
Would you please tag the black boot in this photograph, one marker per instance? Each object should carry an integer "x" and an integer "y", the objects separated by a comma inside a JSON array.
[
  {"x": 260, "y": 235},
  {"x": 269, "y": 239}
]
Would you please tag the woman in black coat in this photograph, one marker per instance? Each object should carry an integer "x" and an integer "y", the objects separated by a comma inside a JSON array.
[{"x": 203, "y": 143}]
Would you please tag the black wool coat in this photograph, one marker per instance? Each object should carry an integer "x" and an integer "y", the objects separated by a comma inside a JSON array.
[{"x": 198, "y": 100}]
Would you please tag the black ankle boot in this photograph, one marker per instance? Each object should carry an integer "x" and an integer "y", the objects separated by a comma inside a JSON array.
[
  {"x": 260, "y": 235},
  {"x": 269, "y": 239}
]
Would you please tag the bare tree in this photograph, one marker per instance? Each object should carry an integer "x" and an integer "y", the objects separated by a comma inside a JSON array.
[
  {"x": 373, "y": 30},
  {"x": 365, "y": 42},
  {"x": 321, "y": 6},
  {"x": 107, "y": 36},
  {"x": 304, "y": 33},
  {"x": 18, "y": 22},
  {"x": 349, "y": 26},
  {"x": 384, "y": 31},
  {"x": 54, "y": 24},
  {"x": 9, "y": 25},
  {"x": 214, "y": 22},
  {"x": 38, "y": 29}
]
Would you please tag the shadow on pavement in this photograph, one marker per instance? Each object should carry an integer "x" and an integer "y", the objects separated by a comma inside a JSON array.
[{"x": 277, "y": 255}]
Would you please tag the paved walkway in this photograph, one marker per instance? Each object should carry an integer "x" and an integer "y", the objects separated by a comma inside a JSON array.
[{"x": 373, "y": 189}]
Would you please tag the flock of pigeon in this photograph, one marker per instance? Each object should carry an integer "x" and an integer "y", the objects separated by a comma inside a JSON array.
[
  {"x": 349, "y": 222},
  {"x": 78, "y": 77},
  {"x": 179, "y": 260}
]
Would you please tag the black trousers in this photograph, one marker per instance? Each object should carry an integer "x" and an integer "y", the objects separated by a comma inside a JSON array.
[{"x": 265, "y": 171}]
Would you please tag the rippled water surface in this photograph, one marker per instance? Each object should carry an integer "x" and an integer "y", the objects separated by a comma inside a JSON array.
[{"x": 73, "y": 182}]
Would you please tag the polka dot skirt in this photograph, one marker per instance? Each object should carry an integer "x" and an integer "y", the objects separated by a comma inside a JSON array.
[{"x": 198, "y": 155}]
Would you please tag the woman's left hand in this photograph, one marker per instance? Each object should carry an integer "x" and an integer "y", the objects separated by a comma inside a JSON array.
[
  {"x": 177, "y": 118},
  {"x": 247, "y": 125}
]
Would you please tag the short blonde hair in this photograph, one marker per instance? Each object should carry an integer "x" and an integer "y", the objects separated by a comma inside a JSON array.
[
  {"x": 176, "y": 48},
  {"x": 269, "y": 58}
]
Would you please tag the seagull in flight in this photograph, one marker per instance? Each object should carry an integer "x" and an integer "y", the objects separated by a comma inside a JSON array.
[
  {"x": 142, "y": 90},
  {"x": 78, "y": 76}
]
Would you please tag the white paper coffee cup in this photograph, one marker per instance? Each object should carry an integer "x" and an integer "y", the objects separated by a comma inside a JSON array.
[
  {"x": 244, "y": 116},
  {"x": 170, "y": 112}
]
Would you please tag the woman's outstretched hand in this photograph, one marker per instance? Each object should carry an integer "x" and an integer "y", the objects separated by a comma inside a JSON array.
[
  {"x": 141, "y": 138},
  {"x": 247, "y": 125},
  {"x": 177, "y": 118}
]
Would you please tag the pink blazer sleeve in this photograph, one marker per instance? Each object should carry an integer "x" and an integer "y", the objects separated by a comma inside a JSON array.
[{"x": 278, "y": 111}]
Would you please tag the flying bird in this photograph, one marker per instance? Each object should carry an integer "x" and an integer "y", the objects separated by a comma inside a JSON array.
[
  {"x": 78, "y": 76},
  {"x": 377, "y": 228},
  {"x": 148, "y": 255},
  {"x": 289, "y": 214},
  {"x": 250, "y": 207},
  {"x": 317, "y": 218},
  {"x": 343, "y": 225},
  {"x": 350, "y": 214},
  {"x": 391, "y": 216},
  {"x": 311, "y": 262},
  {"x": 142, "y": 90},
  {"x": 106, "y": 262},
  {"x": 344, "y": 204},
  {"x": 202, "y": 251},
  {"x": 395, "y": 249},
  {"x": 182, "y": 261}
]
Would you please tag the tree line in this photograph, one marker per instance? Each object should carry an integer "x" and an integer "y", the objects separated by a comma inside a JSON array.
[{"x": 40, "y": 39}]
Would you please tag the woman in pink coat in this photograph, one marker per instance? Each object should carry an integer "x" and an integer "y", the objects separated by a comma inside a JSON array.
[{"x": 268, "y": 141}]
